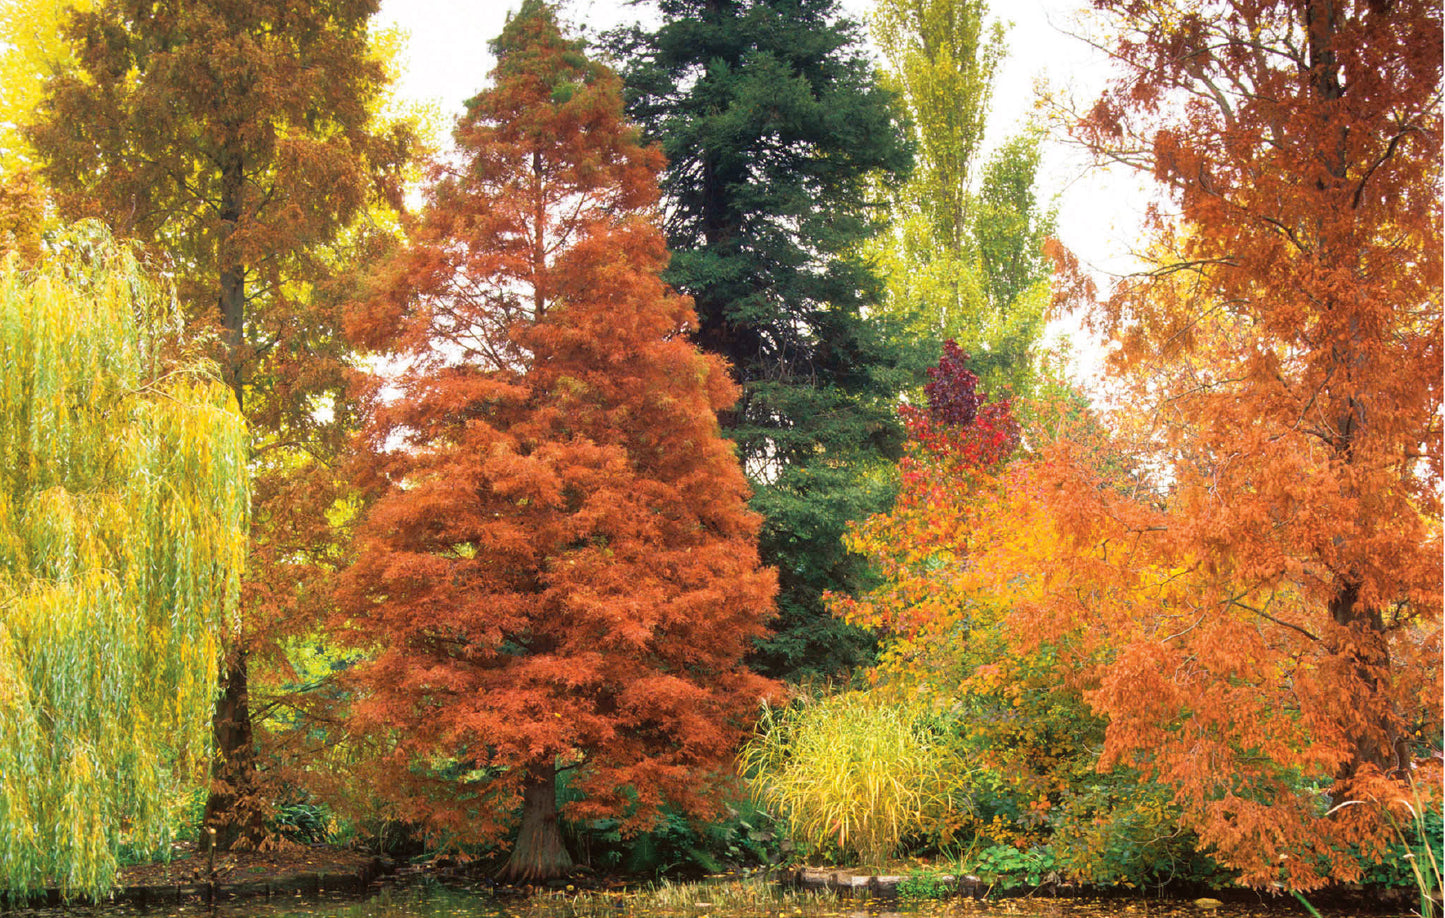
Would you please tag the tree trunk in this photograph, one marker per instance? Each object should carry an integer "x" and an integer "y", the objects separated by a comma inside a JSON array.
[
  {"x": 538, "y": 853},
  {"x": 1371, "y": 725},
  {"x": 233, "y": 809},
  {"x": 232, "y": 300}
]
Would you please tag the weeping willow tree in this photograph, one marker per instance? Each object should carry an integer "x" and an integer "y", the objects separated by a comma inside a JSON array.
[{"x": 123, "y": 510}]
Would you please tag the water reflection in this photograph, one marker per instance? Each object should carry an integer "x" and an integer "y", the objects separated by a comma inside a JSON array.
[{"x": 431, "y": 900}]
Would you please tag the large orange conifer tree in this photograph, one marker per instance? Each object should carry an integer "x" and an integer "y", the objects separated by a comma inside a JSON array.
[{"x": 559, "y": 571}]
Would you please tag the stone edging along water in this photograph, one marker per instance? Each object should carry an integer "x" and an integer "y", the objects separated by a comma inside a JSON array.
[
  {"x": 1361, "y": 900},
  {"x": 848, "y": 883}
]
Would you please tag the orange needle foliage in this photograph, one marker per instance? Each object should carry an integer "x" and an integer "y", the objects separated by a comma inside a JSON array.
[
  {"x": 1246, "y": 583},
  {"x": 1257, "y": 606},
  {"x": 559, "y": 570}
]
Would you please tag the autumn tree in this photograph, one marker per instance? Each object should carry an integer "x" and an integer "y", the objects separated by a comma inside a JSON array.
[
  {"x": 1263, "y": 590},
  {"x": 123, "y": 506},
  {"x": 1015, "y": 712},
  {"x": 32, "y": 45},
  {"x": 942, "y": 57},
  {"x": 959, "y": 440},
  {"x": 558, "y": 573},
  {"x": 775, "y": 129},
  {"x": 240, "y": 139},
  {"x": 22, "y": 216}
]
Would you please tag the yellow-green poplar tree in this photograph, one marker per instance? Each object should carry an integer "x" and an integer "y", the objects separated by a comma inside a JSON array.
[
  {"x": 942, "y": 58},
  {"x": 963, "y": 258},
  {"x": 123, "y": 512}
]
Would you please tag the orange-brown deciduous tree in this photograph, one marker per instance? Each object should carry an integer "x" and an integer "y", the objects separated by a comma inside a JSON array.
[
  {"x": 559, "y": 570},
  {"x": 21, "y": 216},
  {"x": 241, "y": 141},
  {"x": 1264, "y": 592}
]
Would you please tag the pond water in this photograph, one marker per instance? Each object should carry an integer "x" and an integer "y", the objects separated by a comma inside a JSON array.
[{"x": 431, "y": 900}]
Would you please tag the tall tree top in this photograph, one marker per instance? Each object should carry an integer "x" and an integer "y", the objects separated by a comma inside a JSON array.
[
  {"x": 942, "y": 59},
  {"x": 773, "y": 124},
  {"x": 287, "y": 87},
  {"x": 543, "y": 157}
]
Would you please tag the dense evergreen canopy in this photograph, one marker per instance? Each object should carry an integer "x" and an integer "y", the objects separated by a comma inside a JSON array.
[{"x": 776, "y": 133}]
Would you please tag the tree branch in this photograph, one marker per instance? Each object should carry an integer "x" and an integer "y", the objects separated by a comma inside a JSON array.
[{"x": 1265, "y": 615}]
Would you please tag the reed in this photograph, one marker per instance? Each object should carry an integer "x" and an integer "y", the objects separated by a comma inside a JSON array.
[
  {"x": 853, "y": 772},
  {"x": 1424, "y": 853}
]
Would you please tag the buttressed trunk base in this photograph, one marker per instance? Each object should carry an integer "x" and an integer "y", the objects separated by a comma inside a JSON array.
[{"x": 538, "y": 853}]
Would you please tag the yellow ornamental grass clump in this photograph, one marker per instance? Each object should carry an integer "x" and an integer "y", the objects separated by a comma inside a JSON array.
[
  {"x": 123, "y": 514},
  {"x": 855, "y": 772}
]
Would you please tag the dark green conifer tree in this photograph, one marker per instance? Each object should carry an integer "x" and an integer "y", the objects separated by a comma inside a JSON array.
[{"x": 773, "y": 124}]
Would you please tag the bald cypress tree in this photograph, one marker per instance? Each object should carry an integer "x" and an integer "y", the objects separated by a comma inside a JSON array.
[{"x": 559, "y": 566}]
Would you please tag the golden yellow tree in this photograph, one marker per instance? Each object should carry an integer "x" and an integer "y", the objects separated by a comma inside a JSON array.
[{"x": 32, "y": 44}]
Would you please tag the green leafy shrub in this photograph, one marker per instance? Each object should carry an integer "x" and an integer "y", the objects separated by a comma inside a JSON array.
[
  {"x": 1122, "y": 829},
  {"x": 303, "y": 821},
  {"x": 922, "y": 885},
  {"x": 675, "y": 845},
  {"x": 1008, "y": 867},
  {"x": 853, "y": 772}
]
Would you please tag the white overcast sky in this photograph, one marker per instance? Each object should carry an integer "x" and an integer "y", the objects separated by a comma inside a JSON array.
[{"x": 447, "y": 62}]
